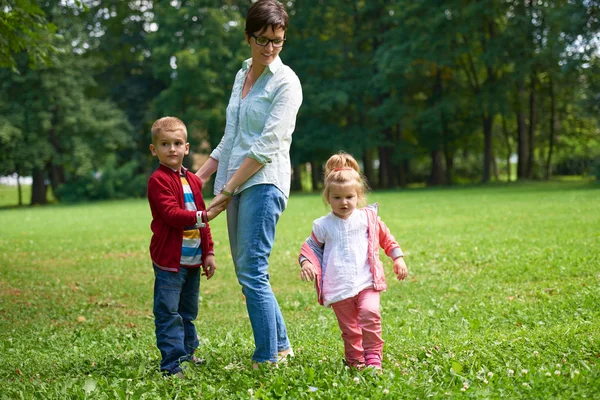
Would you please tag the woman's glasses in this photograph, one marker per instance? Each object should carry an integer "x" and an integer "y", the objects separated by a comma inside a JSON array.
[{"x": 263, "y": 41}]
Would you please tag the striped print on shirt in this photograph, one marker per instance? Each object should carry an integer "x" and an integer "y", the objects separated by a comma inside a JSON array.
[{"x": 191, "y": 251}]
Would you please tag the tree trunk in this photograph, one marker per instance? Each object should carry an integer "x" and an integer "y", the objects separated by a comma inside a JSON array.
[
  {"x": 437, "y": 174},
  {"x": 436, "y": 177},
  {"x": 368, "y": 167},
  {"x": 401, "y": 175},
  {"x": 404, "y": 173},
  {"x": 508, "y": 148},
  {"x": 297, "y": 177},
  {"x": 495, "y": 168},
  {"x": 531, "y": 132},
  {"x": 385, "y": 168},
  {"x": 316, "y": 175},
  {"x": 38, "y": 186},
  {"x": 487, "y": 146},
  {"x": 449, "y": 158},
  {"x": 522, "y": 148},
  {"x": 19, "y": 190},
  {"x": 552, "y": 127},
  {"x": 57, "y": 177}
]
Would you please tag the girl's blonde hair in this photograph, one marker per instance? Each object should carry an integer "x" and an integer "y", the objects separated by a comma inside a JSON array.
[{"x": 342, "y": 169}]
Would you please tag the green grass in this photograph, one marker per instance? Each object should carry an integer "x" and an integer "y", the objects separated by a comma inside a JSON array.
[
  {"x": 502, "y": 301},
  {"x": 9, "y": 196}
]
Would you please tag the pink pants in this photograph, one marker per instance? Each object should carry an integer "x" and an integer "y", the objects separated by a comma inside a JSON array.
[{"x": 360, "y": 321}]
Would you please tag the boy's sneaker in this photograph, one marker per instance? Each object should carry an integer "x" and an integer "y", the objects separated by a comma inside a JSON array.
[
  {"x": 167, "y": 374},
  {"x": 198, "y": 361}
]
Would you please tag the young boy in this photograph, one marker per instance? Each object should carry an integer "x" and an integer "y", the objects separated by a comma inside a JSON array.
[{"x": 181, "y": 243}]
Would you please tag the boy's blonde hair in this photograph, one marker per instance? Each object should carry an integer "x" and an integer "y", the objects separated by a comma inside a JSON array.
[
  {"x": 342, "y": 169},
  {"x": 167, "y": 124}
]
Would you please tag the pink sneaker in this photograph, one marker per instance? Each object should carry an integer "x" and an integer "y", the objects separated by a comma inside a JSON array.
[
  {"x": 373, "y": 360},
  {"x": 357, "y": 364}
]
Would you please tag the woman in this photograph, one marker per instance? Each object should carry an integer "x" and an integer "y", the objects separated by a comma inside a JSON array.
[{"x": 253, "y": 170}]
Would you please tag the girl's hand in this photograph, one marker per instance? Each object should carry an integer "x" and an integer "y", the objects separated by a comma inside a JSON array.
[
  {"x": 400, "y": 268},
  {"x": 308, "y": 272}
]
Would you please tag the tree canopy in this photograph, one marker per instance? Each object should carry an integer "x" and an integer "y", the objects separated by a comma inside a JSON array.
[{"x": 420, "y": 92}]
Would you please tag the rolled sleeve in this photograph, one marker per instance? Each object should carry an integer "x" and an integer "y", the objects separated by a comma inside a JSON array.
[
  {"x": 216, "y": 153},
  {"x": 280, "y": 123}
]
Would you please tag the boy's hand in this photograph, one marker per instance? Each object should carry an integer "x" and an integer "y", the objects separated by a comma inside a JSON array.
[
  {"x": 211, "y": 213},
  {"x": 400, "y": 268},
  {"x": 209, "y": 267},
  {"x": 308, "y": 271}
]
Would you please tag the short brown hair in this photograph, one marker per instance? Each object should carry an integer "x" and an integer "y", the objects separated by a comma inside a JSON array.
[
  {"x": 265, "y": 13},
  {"x": 167, "y": 124}
]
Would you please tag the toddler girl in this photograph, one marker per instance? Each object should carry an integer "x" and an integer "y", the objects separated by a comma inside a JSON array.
[{"x": 342, "y": 256}]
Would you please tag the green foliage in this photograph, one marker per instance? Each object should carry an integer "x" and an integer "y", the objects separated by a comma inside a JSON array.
[
  {"x": 501, "y": 302},
  {"x": 197, "y": 52},
  {"x": 111, "y": 182},
  {"x": 24, "y": 28},
  {"x": 10, "y": 136},
  {"x": 436, "y": 92},
  {"x": 64, "y": 131}
]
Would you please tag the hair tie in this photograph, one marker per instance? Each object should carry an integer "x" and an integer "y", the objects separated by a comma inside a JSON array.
[{"x": 343, "y": 169}]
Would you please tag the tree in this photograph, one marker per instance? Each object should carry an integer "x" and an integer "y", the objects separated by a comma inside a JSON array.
[
  {"x": 24, "y": 28},
  {"x": 198, "y": 48},
  {"x": 64, "y": 132}
]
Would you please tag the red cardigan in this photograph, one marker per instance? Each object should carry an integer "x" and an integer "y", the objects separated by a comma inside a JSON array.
[{"x": 169, "y": 217}]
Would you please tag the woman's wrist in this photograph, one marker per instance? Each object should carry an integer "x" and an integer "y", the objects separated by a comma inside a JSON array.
[{"x": 226, "y": 192}]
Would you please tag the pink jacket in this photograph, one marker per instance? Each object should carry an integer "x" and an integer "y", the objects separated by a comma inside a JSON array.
[{"x": 379, "y": 236}]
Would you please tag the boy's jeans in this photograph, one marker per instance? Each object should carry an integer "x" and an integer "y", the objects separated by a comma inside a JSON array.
[
  {"x": 251, "y": 219},
  {"x": 360, "y": 321},
  {"x": 175, "y": 309}
]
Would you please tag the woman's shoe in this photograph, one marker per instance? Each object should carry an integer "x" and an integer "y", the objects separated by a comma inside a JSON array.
[
  {"x": 282, "y": 356},
  {"x": 256, "y": 365}
]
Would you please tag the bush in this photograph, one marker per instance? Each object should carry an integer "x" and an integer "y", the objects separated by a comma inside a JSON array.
[{"x": 112, "y": 182}]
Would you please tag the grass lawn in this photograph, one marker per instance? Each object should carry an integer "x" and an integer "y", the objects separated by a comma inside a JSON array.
[{"x": 502, "y": 301}]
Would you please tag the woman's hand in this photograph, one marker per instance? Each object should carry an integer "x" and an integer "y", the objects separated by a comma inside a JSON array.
[
  {"x": 400, "y": 268},
  {"x": 218, "y": 204},
  {"x": 308, "y": 272}
]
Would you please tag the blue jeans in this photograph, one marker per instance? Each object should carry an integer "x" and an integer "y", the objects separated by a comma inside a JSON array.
[
  {"x": 251, "y": 219},
  {"x": 175, "y": 309}
]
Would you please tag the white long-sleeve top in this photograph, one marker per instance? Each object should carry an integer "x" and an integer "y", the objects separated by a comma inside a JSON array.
[{"x": 346, "y": 268}]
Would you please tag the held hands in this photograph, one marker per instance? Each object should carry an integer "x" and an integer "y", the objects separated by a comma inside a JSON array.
[
  {"x": 308, "y": 271},
  {"x": 218, "y": 204},
  {"x": 209, "y": 267},
  {"x": 400, "y": 268},
  {"x": 211, "y": 213}
]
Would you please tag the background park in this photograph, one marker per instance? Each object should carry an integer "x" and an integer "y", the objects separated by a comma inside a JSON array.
[{"x": 477, "y": 125}]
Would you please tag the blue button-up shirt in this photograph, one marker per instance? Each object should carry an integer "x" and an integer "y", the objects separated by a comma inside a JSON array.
[{"x": 260, "y": 126}]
